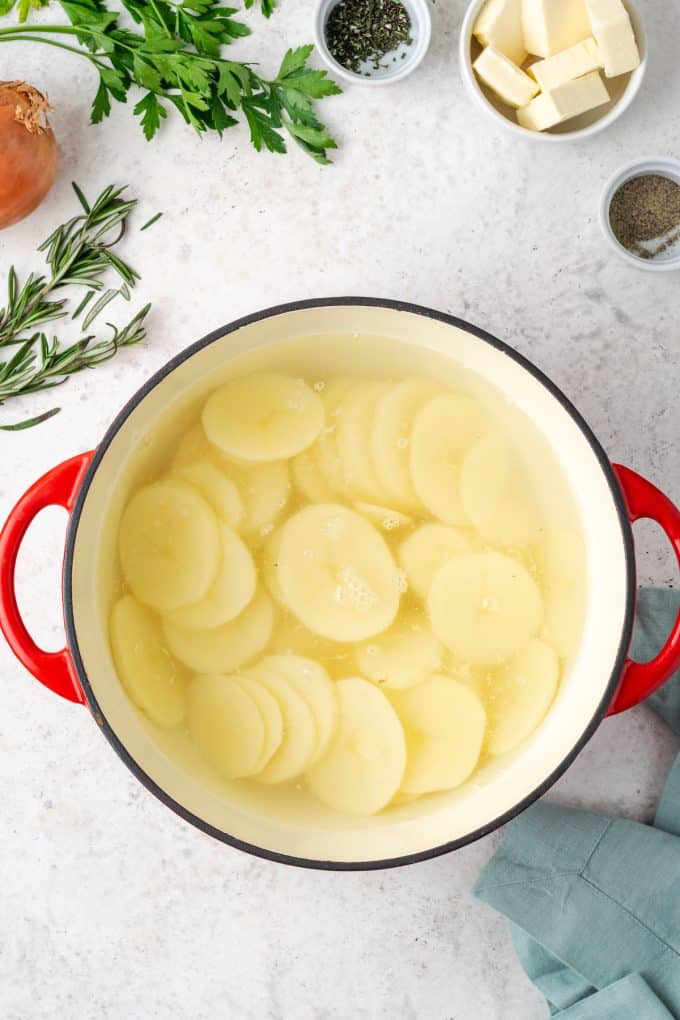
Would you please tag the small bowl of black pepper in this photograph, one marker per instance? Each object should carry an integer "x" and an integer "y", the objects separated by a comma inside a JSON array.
[
  {"x": 372, "y": 42},
  {"x": 640, "y": 213}
]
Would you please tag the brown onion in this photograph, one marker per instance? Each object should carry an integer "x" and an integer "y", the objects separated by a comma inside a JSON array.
[{"x": 28, "y": 151}]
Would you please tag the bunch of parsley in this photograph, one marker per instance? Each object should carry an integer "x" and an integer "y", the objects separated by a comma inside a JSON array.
[{"x": 172, "y": 53}]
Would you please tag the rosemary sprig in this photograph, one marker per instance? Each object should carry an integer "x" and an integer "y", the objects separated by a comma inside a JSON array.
[
  {"x": 172, "y": 52},
  {"x": 78, "y": 253}
]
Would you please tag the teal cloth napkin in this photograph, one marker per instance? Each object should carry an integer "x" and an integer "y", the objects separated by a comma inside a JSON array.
[{"x": 594, "y": 902}]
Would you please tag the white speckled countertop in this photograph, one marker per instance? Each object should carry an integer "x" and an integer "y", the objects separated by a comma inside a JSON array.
[{"x": 111, "y": 907}]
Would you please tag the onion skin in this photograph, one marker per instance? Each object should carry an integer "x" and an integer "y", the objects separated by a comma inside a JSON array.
[{"x": 28, "y": 151}]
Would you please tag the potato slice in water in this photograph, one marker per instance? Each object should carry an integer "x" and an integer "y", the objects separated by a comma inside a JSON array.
[
  {"x": 444, "y": 724},
  {"x": 364, "y": 765},
  {"x": 195, "y": 446},
  {"x": 337, "y": 574},
  {"x": 169, "y": 545},
  {"x": 327, "y": 444},
  {"x": 311, "y": 681},
  {"x": 561, "y": 567},
  {"x": 495, "y": 493},
  {"x": 355, "y": 424},
  {"x": 269, "y": 559},
  {"x": 292, "y": 636},
  {"x": 226, "y": 648},
  {"x": 230, "y": 592},
  {"x": 263, "y": 417},
  {"x": 265, "y": 490},
  {"x": 484, "y": 607},
  {"x": 226, "y": 725},
  {"x": 271, "y": 717},
  {"x": 443, "y": 432},
  {"x": 149, "y": 674},
  {"x": 300, "y": 733},
  {"x": 218, "y": 490},
  {"x": 383, "y": 518},
  {"x": 426, "y": 550},
  {"x": 520, "y": 694},
  {"x": 391, "y": 439},
  {"x": 309, "y": 478},
  {"x": 402, "y": 657}
]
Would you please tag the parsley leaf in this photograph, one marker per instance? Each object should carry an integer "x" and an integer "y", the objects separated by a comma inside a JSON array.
[
  {"x": 151, "y": 113},
  {"x": 173, "y": 53}
]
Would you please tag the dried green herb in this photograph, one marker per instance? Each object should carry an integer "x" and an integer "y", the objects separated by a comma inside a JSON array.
[
  {"x": 646, "y": 209},
  {"x": 361, "y": 32}
]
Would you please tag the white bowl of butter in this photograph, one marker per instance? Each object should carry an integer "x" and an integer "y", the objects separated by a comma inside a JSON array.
[{"x": 553, "y": 70}]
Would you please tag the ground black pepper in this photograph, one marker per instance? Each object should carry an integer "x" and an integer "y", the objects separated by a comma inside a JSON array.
[
  {"x": 366, "y": 31},
  {"x": 646, "y": 208}
]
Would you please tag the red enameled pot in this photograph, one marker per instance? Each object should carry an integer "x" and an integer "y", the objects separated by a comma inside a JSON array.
[{"x": 601, "y": 680}]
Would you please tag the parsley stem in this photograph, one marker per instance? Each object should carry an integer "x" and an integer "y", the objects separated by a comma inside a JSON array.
[
  {"x": 52, "y": 29},
  {"x": 161, "y": 19},
  {"x": 8, "y": 35}
]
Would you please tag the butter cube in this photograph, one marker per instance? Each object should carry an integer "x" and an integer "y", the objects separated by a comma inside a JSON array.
[
  {"x": 504, "y": 78},
  {"x": 570, "y": 99},
  {"x": 572, "y": 63},
  {"x": 614, "y": 36},
  {"x": 500, "y": 25},
  {"x": 550, "y": 26}
]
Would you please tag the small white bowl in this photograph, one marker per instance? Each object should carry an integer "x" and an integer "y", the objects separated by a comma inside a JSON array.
[
  {"x": 421, "y": 30},
  {"x": 622, "y": 89},
  {"x": 665, "y": 167}
]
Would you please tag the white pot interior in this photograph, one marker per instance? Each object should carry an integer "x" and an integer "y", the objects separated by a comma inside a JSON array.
[{"x": 284, "y": 822}]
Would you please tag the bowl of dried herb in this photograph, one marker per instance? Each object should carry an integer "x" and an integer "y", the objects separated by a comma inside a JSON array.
[
  {"x": 372, "y": 42},
  {"x": 640, "y": 213}
]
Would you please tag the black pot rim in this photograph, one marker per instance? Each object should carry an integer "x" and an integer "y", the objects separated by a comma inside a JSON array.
[{"x": 455, "y": 844}]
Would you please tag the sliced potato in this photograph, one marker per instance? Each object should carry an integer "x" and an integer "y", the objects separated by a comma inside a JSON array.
[
  {"x": 265, "y": 490},
  {"x": 383, "y": 518},
  {"x": 355, "y": 423},
  {"x": 149, "y": 674},
  {"x": 484, "y": 607},
  {"x": 337, "y": 574},
  {"x": 226, "y": 725},
  {"x": 364, "y": 764},
  {"x": 218, "y": 490},
  {"x": 292, "y": 636},
  {"x": 475, "y": 677},
  {"x": 169, "y": 545},
  {"x": 271, "y": 717},
  {"x": 443, "y": 432},
  {"x": 263, "y": 417},
  {"x": 269, "y": 560},
  {"x": 300, "y": 734},
  {"x": 403, "y": 656},
  {"x": 311, "y": 681},
  {"x": 496, "y": 493},
  {"x": 391, "y": 439},
  {"x": 444, "y": 724},
  {"x": 195, "y": 446},
  {"x": 310, "y": 479},
  {"x": 230, "y": 592},
  {"x": 226, "y": 648},
  {"x": 426, "y": 550},
  {"x": 328, "y": 455},
  {"x": 520, "y": 694},
  {"x": 561, "y": 570}
]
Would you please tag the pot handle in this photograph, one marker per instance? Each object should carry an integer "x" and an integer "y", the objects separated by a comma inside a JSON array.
[
  {"x": 58, "y": 487},
  {"x": 640, "y": 679}
]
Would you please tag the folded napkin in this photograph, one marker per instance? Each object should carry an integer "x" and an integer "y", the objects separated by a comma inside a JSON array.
[{"x": 594, "y": 902}]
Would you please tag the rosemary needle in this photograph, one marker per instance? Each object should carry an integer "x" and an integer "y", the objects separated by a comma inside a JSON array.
[{"x": 79, "y": 253}]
